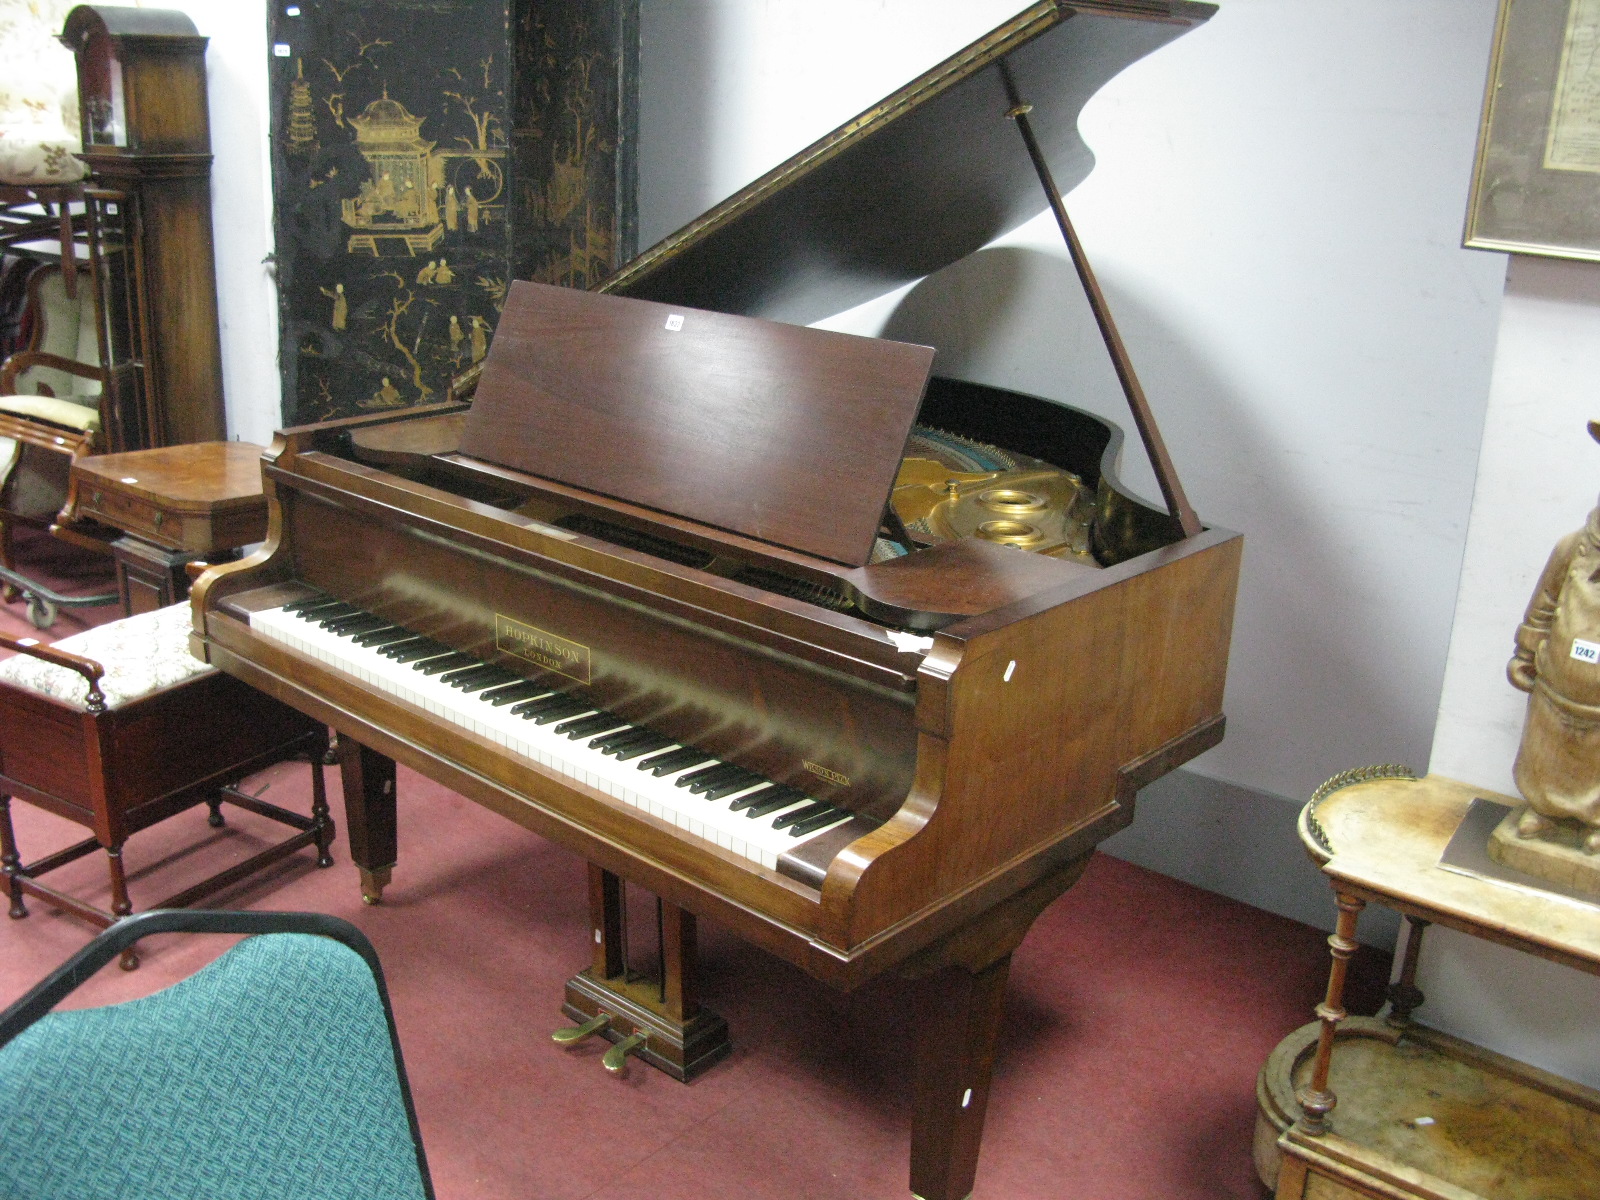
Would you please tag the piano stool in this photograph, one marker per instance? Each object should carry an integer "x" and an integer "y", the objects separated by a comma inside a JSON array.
[{"x": 119, "y": 727}]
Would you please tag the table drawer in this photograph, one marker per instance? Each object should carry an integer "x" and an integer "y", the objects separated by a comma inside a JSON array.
[{"x": 131, "y": 514}]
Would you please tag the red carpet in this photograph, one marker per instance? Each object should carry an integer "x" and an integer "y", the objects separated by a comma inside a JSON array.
[{"x": 1139, "y": 1011}]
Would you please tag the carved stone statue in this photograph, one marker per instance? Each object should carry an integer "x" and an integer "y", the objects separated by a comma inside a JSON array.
[{"x": 1557, "y": 662}]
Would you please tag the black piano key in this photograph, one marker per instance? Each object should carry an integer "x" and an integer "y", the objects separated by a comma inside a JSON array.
[
  {"x": 463, "y": 676},
  {"x": 730, "y": 786},
  {"x": 780, "y": 798},
  {"x": 511, "y": 693},
  {"x": 580, "y": 727},
  {"x": 396, "y": 648},
  {"x": 815, "y": 808},
  {"x": 346, "y": 626},
  {"x": 644, "y": 746},
  {"x": 722, "y": 773},
  {"x": 673, "y": 760},
  {"x": 382, "y": 636},
  {"x": 327, "y": 616},
  {"x": 444, "y": 662},
  {"x": 540, "y": 703},
  {"x": 619, "y": 738},
  {"x": 550, "y": 715},
  {"x": 756, "y": 797},
  {"x": 423, "y": 649},
  {"x": 821, "y": 820},
  {"x": 485, "y": 682},
  {"x": 694, "y": 778},
  {"x": 301, "y": 606}
]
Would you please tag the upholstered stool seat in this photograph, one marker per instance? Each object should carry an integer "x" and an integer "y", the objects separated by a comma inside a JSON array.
[{"x": 120, "y": 727}]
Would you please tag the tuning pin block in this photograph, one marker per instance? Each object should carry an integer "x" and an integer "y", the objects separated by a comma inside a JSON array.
[
  {"x": 574, "y": 1034},
  {"x": 616, "y": 1058}
]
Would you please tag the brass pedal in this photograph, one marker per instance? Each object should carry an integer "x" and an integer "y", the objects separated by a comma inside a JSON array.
[
  {"x": 616, "y": 1059},
  {"x": 573, "y": 1034}
]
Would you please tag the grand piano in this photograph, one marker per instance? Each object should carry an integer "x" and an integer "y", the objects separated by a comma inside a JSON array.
[{"x": 858, "y": 662}]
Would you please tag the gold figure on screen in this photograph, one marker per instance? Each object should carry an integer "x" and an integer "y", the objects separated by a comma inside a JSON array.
[
  {"x": 341, "y": 306},
  {"x": 480, "y": 337}
]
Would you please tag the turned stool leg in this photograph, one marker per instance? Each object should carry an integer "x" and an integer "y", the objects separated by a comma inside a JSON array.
[
  {"x": 121, "y": 906},
  {"x": 1317, "y": 1099},
  {"x": 319, "y": 807},
  {"x": 10, "y": 861},
  {"x": 215, "y": 820}
]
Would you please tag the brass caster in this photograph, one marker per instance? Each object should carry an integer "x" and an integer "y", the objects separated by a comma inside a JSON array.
[
  {"x": 616, "y": 1059},
  {"x": 574, "y": 1034}
]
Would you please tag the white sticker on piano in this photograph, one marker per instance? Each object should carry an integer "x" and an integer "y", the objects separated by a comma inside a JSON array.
[
  {"x": 1583, "y": 651},
  {"x": 909, "y": 643},
  {"x": 675, "y": 322}
]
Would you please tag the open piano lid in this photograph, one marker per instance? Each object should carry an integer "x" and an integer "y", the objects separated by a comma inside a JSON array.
[
  {"x": 920, "y": 180},
  {"x": 774, "y": 431},
  {"x": 925, "y": 177}
]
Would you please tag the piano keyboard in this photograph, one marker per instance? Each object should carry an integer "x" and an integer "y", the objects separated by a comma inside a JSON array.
[{"x": 723, "y": 803}]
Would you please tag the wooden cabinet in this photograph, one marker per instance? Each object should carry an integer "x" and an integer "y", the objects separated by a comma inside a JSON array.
[{"x": 147, "y": 142}]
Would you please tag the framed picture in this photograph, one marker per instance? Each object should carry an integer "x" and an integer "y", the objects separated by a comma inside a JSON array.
[{"x": 1536, "y": 183}]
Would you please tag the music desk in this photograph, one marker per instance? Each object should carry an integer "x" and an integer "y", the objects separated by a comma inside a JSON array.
[
  {"x": 176, "y": 505},
  {"x": 1385, "y": 1107}
]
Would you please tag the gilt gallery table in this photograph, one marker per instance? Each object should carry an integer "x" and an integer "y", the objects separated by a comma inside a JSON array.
[
  {"x": 197, "y": 502},
  {"x": 1386, "y": 1107}
]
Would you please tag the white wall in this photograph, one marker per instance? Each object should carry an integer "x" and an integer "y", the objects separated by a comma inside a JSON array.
[
  {"x": 1537, "y": 480},
  {"x": 1275, "y": 216},
  {"x": 241, "y": 199}
]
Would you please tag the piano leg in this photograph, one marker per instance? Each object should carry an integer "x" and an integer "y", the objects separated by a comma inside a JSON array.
[
  {"x": 958, "y": 1026},
  {"x": 369, "y": 806},
  {"x": 960, "y": 1008},
  {"x": 680, "y": 1037}
]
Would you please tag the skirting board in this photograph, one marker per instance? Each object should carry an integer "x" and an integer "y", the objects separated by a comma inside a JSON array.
[{"x": 1240, "y": 843}]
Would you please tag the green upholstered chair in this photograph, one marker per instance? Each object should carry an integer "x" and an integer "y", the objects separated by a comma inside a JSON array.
[{"x": 274, "y": 1072}]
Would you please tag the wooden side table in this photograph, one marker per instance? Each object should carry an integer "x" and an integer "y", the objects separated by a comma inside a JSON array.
[
  {"x": 1366, "y": 1107},
  {"x": 177, "y": 504}
]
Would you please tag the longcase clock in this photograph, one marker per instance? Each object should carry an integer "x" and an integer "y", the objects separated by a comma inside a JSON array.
[{"x": 147, "y": 142}]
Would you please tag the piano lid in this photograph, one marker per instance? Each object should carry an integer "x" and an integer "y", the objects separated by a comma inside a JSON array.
[
  {"x": 920, "y": 180},
  {"x": 774, "y": 431}
]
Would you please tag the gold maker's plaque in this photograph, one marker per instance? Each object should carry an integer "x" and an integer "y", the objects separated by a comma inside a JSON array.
[
  {"x": 542, "y": 648},
  {"x": 1573, "y": 143}
]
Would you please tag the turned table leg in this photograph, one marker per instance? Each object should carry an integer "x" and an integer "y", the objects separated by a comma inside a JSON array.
[
  {"x": 1404, "y": 995},
  {"x": 1317, "y": 1099}
]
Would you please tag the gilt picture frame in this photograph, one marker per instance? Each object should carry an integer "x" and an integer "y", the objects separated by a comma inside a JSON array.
[{"x": 1536, "y": 179}]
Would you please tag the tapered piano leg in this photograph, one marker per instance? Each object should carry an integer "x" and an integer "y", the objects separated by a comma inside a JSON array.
[
  {"x": 959, "y": 1012},
  {"x": 959, "y": 1017},
  {"x": 369, "y": 808},
  {"x": 657, "y": 1012}
]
